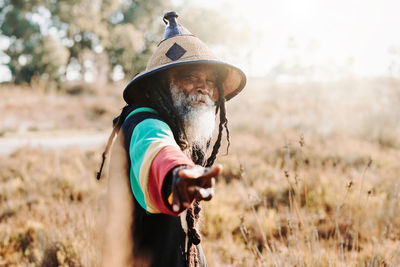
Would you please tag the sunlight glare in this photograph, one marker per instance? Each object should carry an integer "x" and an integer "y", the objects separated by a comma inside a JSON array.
[{"x": 350, "y": 36}]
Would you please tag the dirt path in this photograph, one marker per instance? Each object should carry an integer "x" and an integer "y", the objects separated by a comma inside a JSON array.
[{"x": 56, "y": 142}]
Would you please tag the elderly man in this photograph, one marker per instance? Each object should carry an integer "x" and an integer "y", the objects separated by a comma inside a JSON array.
[{"x": 158, "y": 169}]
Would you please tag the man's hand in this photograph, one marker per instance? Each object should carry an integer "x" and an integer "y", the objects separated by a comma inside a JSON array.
[{"x": 193, "y": 183}]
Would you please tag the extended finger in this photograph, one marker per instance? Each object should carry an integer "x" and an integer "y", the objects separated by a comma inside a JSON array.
[
  {"x": 201, "y": 193},
  {"x": 175, "y": 200},
  {"x": 192, "y": 172},
  {"x": 212, "y": 171},
  {"x": 198, "y": 171},
  {"x": 204, "y": 182}
]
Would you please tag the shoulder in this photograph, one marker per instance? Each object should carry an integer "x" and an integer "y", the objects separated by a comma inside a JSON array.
[
  {"x": 139, "y": 114},
  {"x": 144, "y": 117}
]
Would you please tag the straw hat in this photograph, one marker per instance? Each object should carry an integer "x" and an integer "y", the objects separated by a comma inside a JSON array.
[{"x": 179, "y": 47}]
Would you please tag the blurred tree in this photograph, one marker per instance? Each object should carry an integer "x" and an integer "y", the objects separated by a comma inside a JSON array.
[
  {"x": 45, "y": 47},
  {"x": 134, "y": 31},
  {"x": 28, "y": 48},
  {"x": 118, "y": 28},
  {"x": 51, "y": 38}
]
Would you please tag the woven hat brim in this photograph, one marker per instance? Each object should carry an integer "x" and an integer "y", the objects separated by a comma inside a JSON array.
[{"x": 232, "y": 85}]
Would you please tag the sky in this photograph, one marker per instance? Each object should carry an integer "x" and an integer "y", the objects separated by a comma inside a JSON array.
[{"x": 350, "y": 36}]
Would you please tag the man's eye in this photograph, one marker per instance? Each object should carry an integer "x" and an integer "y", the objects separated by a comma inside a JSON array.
[
  {"x": 211, "y": 83},
  {"x": 191, "y": 78}
]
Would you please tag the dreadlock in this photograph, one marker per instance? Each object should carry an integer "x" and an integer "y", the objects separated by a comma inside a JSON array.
[
  {"x": 223, "y": 123},
  {"x": 117, "y": 123},
  {"x": 158, "y": 96},
  {"x": 193, "y": 213}
]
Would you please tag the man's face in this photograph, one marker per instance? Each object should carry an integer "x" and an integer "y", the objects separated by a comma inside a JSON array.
[
  {"x": 194, "y": 93},
  {"x": 199, "y": 82}
]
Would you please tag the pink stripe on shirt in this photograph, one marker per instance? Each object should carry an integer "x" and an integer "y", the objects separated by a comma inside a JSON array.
[{"x": 168, "y": 158}]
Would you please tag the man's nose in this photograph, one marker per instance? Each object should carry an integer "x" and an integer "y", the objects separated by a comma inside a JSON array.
[
  {"x": 203, "y": 91},
  {"x": 202, "y": 87}
]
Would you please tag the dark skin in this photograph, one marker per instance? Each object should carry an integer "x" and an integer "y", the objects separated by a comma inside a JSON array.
[
  {"x": 196, "y": 79},
  {"x": 194, "y": 182}
]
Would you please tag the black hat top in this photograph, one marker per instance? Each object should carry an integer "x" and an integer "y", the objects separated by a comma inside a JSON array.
[{"x": 173, "y": 28}]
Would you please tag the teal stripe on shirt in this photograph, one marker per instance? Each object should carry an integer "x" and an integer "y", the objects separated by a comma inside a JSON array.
[{"x": 144, "y": 134}]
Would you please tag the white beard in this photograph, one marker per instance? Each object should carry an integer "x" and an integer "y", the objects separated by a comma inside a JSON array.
[{"x": 199, "y": 121}]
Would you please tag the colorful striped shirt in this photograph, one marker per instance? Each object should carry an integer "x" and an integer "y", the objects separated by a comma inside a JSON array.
[{"x": 153, "y": 153}]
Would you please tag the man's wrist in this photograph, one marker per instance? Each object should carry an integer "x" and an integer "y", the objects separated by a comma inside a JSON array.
[{"x": 169, "y": 183}]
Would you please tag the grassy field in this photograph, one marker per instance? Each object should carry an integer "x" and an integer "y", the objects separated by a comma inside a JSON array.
[{"x": 311, "y": 178}]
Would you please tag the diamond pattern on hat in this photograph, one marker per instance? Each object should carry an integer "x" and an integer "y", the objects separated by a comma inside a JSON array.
[{"x": 175, "y": 52}]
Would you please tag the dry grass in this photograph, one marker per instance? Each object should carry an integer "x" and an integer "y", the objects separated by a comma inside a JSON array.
[
  {"x": 84, "y": 107},
  {"x": 311, "y": 180},
  {"x": 49, "y": 203}
]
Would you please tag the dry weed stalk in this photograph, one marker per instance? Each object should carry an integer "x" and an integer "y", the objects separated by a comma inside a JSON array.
[
  {"x": 301, "y": 235},
  {"x": 356, "y": 244}
]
